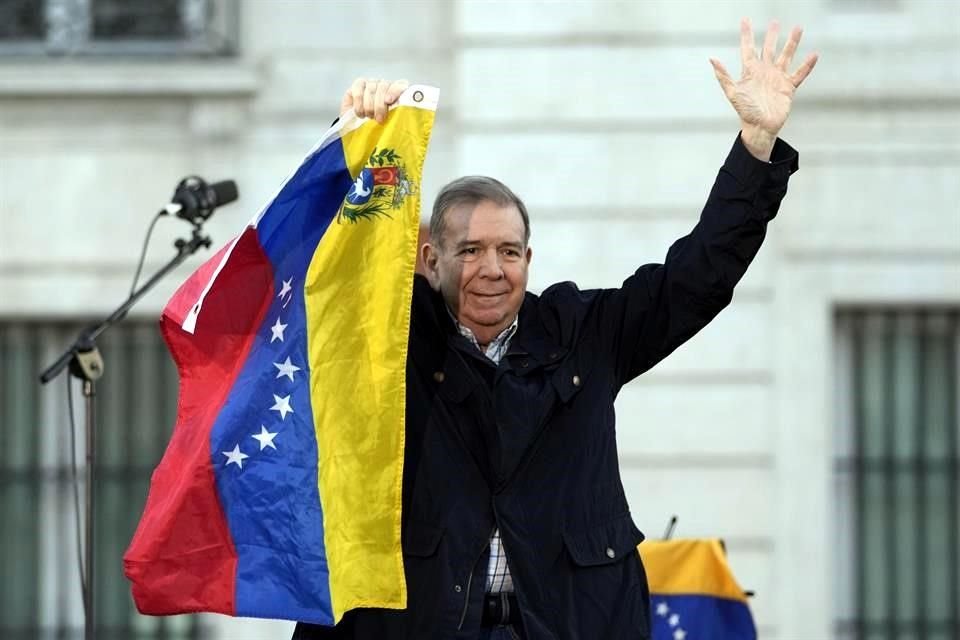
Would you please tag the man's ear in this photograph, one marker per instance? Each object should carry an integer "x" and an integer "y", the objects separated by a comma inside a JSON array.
[{"x": 430, "y": 257}]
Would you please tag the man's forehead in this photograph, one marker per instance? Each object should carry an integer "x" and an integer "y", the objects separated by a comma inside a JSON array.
[{"x": 468, "y": 222}]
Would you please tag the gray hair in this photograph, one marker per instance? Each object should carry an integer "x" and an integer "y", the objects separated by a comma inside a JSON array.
[{"x": 472, "y": 190}]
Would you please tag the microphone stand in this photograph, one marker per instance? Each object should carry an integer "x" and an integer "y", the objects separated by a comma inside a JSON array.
[{"x": 85, "y": 363}]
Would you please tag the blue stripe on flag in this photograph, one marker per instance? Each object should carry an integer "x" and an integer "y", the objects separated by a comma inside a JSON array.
[
  {"x": 270, "y": 496},
  {"x": 698, "y": 617}
]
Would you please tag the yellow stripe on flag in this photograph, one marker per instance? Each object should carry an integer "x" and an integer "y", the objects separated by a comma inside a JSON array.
[
  {"x": 358, "y": 294},
  {"x": 689, "y": 567}
]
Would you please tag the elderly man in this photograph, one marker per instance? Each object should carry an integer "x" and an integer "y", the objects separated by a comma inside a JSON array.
[{"x": 515, "y": 523}]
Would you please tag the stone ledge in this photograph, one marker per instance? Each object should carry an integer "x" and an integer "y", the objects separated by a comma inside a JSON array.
[{"x": 92, "y": 78}]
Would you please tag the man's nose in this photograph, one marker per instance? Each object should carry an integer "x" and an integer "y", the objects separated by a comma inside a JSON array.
[{"x": 490, "y": 264}]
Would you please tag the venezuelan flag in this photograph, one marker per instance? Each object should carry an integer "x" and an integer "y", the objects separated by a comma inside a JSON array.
[
  {"x": 693, "y": 594},
  {"x": 279, "y": 493}
]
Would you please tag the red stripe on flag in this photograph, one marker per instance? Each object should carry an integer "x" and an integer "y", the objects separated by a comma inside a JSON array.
[
  {"x": 182, "y": 557},
  {"x": 189, "y": 292}
]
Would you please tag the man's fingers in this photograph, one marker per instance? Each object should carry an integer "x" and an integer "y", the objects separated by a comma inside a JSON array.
[
  {"x": 371, "y": 97},
  {"x": 786, "y": 56},
  {"x": 356, "y": 93},
  {"x": 747, "y": 52},
  {"x": 726, "y": 82},
  {"x": 347, "y": 103},
  {"x": 380, "y": 101},
  {"x": 396, "y": 88},
  {"x": 369, "y": 94},
  {"x": 770, "y": 41},
  {"x": 804, "y": 70}
]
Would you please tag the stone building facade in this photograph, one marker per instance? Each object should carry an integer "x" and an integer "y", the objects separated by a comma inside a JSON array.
[{"x": 605, "y": 117}]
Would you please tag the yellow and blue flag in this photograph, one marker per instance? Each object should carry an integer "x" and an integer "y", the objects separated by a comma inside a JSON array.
[
  {"x": 693, "y": 594},
  {"x": 279, "y": 493}
]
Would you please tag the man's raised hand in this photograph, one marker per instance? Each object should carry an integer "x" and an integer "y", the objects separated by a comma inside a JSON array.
[{"x": 764, "y": 93}]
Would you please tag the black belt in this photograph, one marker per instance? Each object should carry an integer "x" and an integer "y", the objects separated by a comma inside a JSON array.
[{"x": 500, "y": 608}]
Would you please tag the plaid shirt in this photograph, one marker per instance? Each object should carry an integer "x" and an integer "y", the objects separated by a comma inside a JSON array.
[{"x": 498, "y": 573}]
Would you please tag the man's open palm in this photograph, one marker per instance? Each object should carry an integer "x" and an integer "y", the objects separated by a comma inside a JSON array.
[{"x": 763, "y": 94}]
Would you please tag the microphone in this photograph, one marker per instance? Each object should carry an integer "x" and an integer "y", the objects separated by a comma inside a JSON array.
[{"x": 194, "y": 200}]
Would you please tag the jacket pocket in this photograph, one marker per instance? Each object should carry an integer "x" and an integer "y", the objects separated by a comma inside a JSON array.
[
  {"x": 421, "y": 540},
  {"x": 605, "y": 543},
  {"x": 568, "y": 379}
]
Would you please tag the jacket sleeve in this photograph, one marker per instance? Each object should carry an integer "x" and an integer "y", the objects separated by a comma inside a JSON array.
[{"x": 661, "y": 306}]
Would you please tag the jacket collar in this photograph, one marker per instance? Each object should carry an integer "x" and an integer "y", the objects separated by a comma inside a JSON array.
[
  {"x": 533, "y": 342},
  {"x": 532, "y": 339}
]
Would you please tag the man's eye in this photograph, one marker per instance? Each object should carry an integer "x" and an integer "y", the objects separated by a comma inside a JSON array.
[{"x": 471, "y": 251}]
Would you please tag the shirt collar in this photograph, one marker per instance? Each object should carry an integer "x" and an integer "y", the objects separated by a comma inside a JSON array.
[{"x": 498, "y": 346}]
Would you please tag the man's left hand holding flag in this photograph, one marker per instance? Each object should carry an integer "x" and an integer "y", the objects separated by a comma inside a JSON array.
[{"x": 372, "y": 98}]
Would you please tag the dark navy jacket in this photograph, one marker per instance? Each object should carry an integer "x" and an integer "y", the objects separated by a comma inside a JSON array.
[{"x": 529, "y": 446}]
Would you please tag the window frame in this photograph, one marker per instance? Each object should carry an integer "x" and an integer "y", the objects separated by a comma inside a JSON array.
[
  {"x": 136, "y": 409},
  {"x": 865, "y": 462},
  {"x": 215, "y": 37}
]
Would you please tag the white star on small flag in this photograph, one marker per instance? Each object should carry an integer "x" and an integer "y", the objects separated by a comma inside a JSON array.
[
  {"x": 235, "y": 457},
  {"x": 286, "y": 288},
  {"x": 662, "y": 609},
  {"x": 286, "y": 368},
  {"x": 679, "y": 634},
  {"x": 265, "y": 438},
  {"x": 277, "y": 330},
  {"x": 674, "y": 620},
  {"x": 282, "y": 405}
]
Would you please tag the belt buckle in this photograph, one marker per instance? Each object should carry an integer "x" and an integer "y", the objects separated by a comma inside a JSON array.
[{"x": 498, "y": 610}]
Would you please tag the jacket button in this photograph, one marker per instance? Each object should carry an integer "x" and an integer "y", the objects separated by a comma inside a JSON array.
[
  {"x": 457, "y": 588},
  {"x": 610, "y": 553},
  {"x": 576, "y": 381},
  {"x": 438, "y": 376},
  {"x": 524, "y": 363}
]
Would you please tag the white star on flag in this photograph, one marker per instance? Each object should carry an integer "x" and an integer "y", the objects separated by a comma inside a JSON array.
[
  {"x": 277, "y": 330},
  {"x": 286, "y": 368},
  {"x": 235, "y": 457},
  {"x": 282, "y": 405},
  {"x": 663, "y": 609},
  {"x": 674, "y": 620},
  {"x": 286, "y": 288},
  {"x": 265, "y": 438},
  {"x": 679, "y": 634}
]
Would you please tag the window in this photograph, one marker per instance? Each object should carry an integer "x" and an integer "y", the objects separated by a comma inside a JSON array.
[
  {"x": 136, "y": 404},
  {"x": 21, "y": 20},
  {"x": 125, "y": 27},
  {"x": 896, "y": 474}
]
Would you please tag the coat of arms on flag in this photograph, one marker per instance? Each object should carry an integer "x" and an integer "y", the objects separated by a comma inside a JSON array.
[{"x": 381, "y": 187}]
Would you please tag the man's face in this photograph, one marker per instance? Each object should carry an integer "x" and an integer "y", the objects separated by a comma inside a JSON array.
[{"x": 480, "y": 266}]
